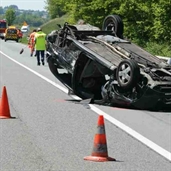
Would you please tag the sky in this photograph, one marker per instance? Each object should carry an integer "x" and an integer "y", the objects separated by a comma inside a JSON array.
[{"x": 25, "y": 4}]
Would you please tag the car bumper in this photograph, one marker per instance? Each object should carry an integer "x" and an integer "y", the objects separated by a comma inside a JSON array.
[{"x": 153, "y": 100}]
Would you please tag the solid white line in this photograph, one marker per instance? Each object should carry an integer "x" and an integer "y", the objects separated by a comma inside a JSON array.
[
  {"x": 127, "y": 129},
  {"x": 36, "y": 73}
]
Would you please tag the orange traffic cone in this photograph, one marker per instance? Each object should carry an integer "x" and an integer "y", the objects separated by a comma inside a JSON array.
[
  {"x": 4, "y": 106},
  {"x": 100, "y": 153}
]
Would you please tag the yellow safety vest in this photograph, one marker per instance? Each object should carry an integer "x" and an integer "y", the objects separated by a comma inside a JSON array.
[{"x": 40, "y": 41}]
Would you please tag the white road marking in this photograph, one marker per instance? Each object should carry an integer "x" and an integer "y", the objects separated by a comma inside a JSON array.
[{"x": 122, "y": 126}]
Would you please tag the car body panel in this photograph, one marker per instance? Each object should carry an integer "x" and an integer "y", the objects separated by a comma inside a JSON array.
[
  {"x": 109, "y": 70},
  {"x": 11, "y": 33}
]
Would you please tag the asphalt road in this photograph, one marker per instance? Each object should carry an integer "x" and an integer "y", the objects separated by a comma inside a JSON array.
[{"x": 53, "y": 132}]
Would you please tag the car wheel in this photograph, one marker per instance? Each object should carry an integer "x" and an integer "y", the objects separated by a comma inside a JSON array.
[
  {"x": 52, "y": 66},
  {"x": 114, "y": 23},
  {"x": 128, "y": 74}
]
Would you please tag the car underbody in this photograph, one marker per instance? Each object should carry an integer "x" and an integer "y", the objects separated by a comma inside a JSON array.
[{"x": 108, "y": 69}]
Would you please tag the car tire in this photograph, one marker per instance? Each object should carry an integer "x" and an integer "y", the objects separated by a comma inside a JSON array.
[
  {"x": 114, "y": 22},
  {"x": 52, "y": 66},
  {"x": 128, "y": 74}
]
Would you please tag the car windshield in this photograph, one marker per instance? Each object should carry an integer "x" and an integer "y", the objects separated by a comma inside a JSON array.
[
  {"x": 12, "y": 31},
  {"x": 2, "y": 25}
]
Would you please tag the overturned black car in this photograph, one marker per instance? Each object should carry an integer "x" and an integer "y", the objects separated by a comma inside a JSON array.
[{"x": 101, "y": 65}]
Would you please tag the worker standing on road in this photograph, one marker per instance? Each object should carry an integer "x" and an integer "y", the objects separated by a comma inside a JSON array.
[
  {"x": 40, "y": 45},
  {"x": 31, "y": 42}
]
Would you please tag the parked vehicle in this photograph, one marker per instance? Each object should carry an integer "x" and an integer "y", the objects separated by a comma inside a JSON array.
[
  {"x": 25, "y": 29},
  {"x": 20, "y": 34},
  {"x": 11, "y": 33},
  {"x": 3, "y": 26},
  {"x": 104, "y": 67}
]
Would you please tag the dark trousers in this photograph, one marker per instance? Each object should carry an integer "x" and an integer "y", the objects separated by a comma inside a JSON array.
[{"x": 40, "y": 53}]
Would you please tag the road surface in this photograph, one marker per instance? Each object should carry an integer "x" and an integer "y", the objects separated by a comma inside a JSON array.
[{"x": 51, "y": 131}]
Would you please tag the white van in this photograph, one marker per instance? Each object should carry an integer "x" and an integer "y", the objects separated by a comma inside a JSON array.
[{"x": 25, "y": 29}]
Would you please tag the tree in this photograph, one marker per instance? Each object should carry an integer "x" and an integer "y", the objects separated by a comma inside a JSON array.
[
  {"x": 161, "y": 27},
  {"x": 10, "y": 16},
  {"x": 55, "y": 8},
  {"x": 15, "y": 7},
  {"x": 144, "y": 21}
]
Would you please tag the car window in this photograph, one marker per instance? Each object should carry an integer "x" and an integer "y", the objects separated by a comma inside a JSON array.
[{"x": 2, "y": 25}]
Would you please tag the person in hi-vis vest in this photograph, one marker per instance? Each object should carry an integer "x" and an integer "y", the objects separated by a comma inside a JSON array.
[{"x": 40, "y": 46}]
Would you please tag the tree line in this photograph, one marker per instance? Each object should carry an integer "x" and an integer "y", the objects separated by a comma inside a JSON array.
[
  {"x": 147, "y": 23},
  {"x": 15, "y": 16}
]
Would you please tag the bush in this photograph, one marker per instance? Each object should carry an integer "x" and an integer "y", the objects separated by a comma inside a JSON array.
[{"x": 158, "y": 49}]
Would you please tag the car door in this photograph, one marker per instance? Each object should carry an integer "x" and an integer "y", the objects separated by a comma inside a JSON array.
[{"x": 69, "y": 55}]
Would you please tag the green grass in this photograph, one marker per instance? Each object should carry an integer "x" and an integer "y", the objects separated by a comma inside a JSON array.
[
  {"x": 24, "y": 40},
  {"x": 52, "y": 24},
  {"x": 158, "y": 49}
]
